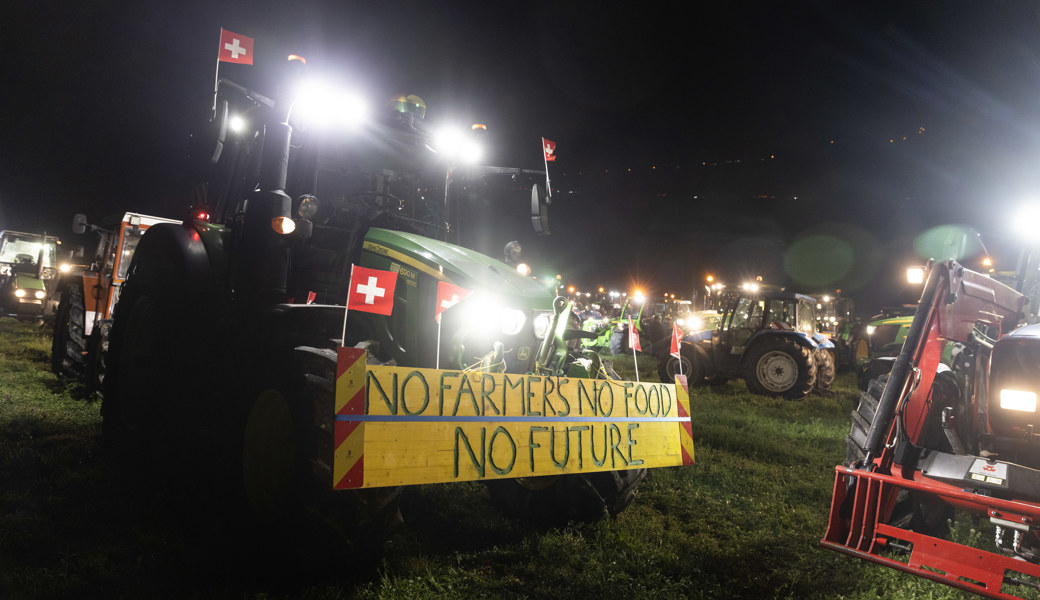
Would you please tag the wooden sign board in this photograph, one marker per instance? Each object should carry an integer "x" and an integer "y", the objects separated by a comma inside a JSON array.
[{"x": 404, "y": 426}]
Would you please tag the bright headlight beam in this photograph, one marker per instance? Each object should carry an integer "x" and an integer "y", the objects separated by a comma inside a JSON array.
[{"x": 1018, "y": 400}]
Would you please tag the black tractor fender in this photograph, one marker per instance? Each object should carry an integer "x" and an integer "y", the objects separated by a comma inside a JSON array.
[{"x": 174, "y": 258}]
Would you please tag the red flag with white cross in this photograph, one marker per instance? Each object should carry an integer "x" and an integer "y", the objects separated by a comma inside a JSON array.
[
  {"x": 676, "y": 341},
  {"x": 549, "y": 150},
  {"x": 371, "y": 290},
  {"x": 448, "y": 295},
  {"x": 633, "y": 336},
  {"x": 235, "y": 48}
]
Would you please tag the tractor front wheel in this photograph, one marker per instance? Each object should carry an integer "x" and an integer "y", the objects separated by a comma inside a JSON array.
[
  {"x": 922, "y": 513},
  {"x": 825, "y": 369},
  {"x": 690, "y": 364},
  {"x": 562, "y": 499},
  {"x": 69, "y": 345},
  {"x": 780, "y": 367}
]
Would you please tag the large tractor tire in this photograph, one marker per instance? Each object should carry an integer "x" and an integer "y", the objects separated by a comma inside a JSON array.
[
  {"x": 619, "y": 342},
  {"x": 286, "y": 447},
  {"x": 156, "y": 404},
  {"x": 922, "y": 513},
  {"x": 859, "y": 349},
  {"x": 825, "y": 369},
  {"x": 692, "y": 362},
  {"x": 69, "y": 344},
  {"x": 560, "y": 499},
  {"x": 779, "y": 366}
]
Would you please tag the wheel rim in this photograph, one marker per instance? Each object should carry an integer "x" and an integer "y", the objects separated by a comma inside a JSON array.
[
  {"x": 862, "y": 351},
  {"x": 268, "y": 454},
  {"x": 777, "y": 371}
]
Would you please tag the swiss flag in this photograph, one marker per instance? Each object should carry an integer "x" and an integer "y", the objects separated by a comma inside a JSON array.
[
  {"x": 676, "y": 337},
  {"x": 371, "y": 290},
  {"x": 235, "y": 48},
  {"x": 549, "y": 150},
  {"x": 633, "y": 336},
  {"x": 448, "y": 295}
]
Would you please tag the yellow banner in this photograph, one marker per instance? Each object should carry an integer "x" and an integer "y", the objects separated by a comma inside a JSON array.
[{"x": 404, "y": 426}]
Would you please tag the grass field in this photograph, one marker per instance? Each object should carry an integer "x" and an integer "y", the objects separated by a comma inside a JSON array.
[{"x": 743, "y": 522}]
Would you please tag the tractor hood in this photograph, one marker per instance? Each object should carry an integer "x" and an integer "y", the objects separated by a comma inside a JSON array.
[{"x": 458, "y": 265}]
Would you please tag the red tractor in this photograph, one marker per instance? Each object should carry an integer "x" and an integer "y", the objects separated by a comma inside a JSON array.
[
  {"x": 87, "y": 297},
  {"x": 952, "y": 431}
]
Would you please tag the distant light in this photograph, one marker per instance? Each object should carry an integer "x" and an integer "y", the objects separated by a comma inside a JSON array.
[
  {"x": 915, "y": 275},
  {"x": 523, "y": 269}
]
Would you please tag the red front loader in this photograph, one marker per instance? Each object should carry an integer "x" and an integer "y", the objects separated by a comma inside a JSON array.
[{"x": 952, "y": 431}]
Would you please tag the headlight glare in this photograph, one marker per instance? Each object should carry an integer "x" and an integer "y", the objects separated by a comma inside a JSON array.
[
  {"x": 40, "y": 294},
  {"x": 1018, "y": 400},
  {"x": 19, "y": 293},
  {"x": 541, "y": 324}
]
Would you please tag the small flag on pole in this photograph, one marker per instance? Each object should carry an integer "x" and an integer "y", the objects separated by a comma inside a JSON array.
[
  {"x": 448, "y": 295},
  {"x": 633, "y": 336},
  {"x": 676, "y": 340},
  {"x": 235, "y": 48},
  {"x": 371, "y": 290},
  {"x": 549, "y": 150}
]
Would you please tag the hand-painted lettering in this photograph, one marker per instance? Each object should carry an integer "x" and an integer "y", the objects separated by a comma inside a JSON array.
[
  {"x": 413, "y": 375},
  {"x": 444, "y": 385},
  {"x": 632, "y": 442},
  {"x": 487, "y": 387},
  {"x": 372, "y": 382}
]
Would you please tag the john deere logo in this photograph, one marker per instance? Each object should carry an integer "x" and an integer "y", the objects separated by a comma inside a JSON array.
[{"x": 523, "y": 353}]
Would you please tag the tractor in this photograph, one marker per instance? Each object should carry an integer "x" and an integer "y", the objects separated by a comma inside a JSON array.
[
  {"x": 86, "y": 297},
  {"x": 298, "y": 207},
  {"x": 949, "y": 433},
  {"x": 766, "y": 337},
  {"x": 28, "y": 261}
]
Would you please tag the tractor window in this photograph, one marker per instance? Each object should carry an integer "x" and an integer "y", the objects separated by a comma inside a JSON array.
[
  {"x": 781, "y": 312},
  {"x": 131, "y": 237},
  {"x": 24, "y": 251},
  {"x": 747, "y": 314},
  {"x": 804, "y": 319}
]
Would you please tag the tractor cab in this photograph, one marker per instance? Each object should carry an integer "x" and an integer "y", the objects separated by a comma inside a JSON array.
[{"x": 748, "y": 316}]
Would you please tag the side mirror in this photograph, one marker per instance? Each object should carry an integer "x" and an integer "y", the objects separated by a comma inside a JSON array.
[
  {"x": 539, "y": 211},
  {"x": 79, "y": 223}
]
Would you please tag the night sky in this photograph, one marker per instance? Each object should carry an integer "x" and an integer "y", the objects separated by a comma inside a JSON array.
[{"x": 808, "y": 142}]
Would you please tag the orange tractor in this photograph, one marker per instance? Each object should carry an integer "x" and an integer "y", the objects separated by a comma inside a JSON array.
[{"x": 88, "y": 296}]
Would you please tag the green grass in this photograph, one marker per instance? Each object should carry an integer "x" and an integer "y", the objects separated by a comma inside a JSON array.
[{"x": 743, "y": 522}]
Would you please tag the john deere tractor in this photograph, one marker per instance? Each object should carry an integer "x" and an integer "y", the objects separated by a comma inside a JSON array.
[{"x": 224, "y": 343}]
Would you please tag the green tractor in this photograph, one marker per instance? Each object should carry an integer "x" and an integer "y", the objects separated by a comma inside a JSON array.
[
  {"x": 28, "y": 262},
  {"x": 296, "y": 207}
]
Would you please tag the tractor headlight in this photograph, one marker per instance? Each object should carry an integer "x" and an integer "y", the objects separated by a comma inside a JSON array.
[
  {"x": 1018, "y": 400},
  {"x": 541, "y": 324},
  {"x": 19, "y": 293},
  {"x": 488, "y": 317},
  {"x": 870, "y": 330},
  {"x": 40, "y": 294}
]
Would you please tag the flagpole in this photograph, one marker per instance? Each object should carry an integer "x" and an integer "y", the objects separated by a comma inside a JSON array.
[
  {"x": 216, "y": 75},
  {"x": 635, "y": 361},
  {"x": 437, "y": 365},
  {"x": 346, "y": 308},
  {"x": 548, "y": 184}
]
